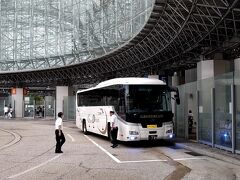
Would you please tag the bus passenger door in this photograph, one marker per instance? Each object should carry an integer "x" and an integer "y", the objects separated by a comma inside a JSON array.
[
  {"x": 101, "y": 121},
  {"x": 78, "y": 119}
]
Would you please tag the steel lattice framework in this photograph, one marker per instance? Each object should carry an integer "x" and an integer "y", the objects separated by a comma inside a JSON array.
[
  {"x": 176, "y": 34},
  {"x": 39, "y": 34}
]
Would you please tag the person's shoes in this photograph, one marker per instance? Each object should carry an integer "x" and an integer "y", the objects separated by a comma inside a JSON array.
[
  {"x": 112, "y": 146},
  {"x": 58, "y": 152},
  {"x": 115, "y": 145}
]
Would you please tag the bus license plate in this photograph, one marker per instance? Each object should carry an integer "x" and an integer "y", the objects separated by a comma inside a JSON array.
[
  {"x": 152, "y": 126},
  {"x": 152, "y": 137}
]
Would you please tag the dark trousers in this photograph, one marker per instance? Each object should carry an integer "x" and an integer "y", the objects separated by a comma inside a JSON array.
[
  {"x": 60, "y": 140},
  {"x": 114, "y": 132}
]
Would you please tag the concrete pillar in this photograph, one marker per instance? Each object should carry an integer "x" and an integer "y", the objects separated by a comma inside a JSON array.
[
  {"x": 61, "y": 92},
  {"x": 210, "y": 68},
  {"x": 205, "y": 69},
  {"x": 175, "y": 80},
  {"x": 236, "y": 82},
  {"x": 237, "y": 64},
  {"x": 190, "y": 75},
  {"x": 17, "y": 102}
]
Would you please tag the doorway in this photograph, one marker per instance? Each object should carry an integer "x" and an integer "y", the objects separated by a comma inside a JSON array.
[{"x": 191, "y": 116}]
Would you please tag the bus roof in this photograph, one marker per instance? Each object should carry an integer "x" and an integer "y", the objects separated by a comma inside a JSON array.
[{"x": 127, "y": 81}]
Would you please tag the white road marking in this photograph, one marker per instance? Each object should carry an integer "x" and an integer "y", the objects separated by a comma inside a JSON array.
[
  {"x": 185, "y": 159},
  {"x": 104, "y": 150},
  {"x": 71, "y": 137},
  {"x": 140, "y": 161},
  {"x": 28, "y": 170}
]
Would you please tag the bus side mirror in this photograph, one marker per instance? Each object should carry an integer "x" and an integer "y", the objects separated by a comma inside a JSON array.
[
  {"x": 176, "y": 96},
  {"x": 177, "y": 99}
]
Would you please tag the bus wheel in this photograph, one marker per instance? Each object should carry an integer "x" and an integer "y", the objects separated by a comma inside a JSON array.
[{"x": 84, "y": 127}]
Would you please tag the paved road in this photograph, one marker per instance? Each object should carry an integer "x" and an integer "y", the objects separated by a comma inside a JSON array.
[{"x": 27, "y": 152}]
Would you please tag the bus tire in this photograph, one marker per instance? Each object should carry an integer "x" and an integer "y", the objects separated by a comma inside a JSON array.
[{"x": 84, "y": 127}]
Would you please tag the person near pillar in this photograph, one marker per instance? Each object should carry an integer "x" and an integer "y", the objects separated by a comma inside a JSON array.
[
  {"x": 5, "y": 109},
  {"x": 60, "y": 138},
  {"x": 10, "y": 112}
]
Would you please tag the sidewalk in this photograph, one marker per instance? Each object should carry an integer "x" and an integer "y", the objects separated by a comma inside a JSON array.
[{"x": 209, "y": 151}]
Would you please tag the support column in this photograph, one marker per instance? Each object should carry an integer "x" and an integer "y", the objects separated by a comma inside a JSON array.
[
  {"x": 175, "y": 80},
  {"x": 210, "y": 68},
  {"x": 61, "y": 92},
  {"x": 17, "y": 102},
  {"x": 191, "y": 75},
  {"x": 237, "y": 64}
]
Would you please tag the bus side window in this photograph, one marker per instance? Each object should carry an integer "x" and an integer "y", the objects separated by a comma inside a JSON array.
[{"x": 121, "y": 105}]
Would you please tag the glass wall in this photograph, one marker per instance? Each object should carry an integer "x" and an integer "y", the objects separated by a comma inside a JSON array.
[
  {"x": 188, "y": 102},
  {"x": 237, "y": 98},
  {"x": 69, "y": 107},
  {"x": 29, "y": 106},
  {"x": 49, "y": 107},
  {"x": 4, "y": 101},
  {"x": 191, "y": 98},
  {"x": 222, "y": 107},
  {"x": 180, "y": 114},
  {"x": 204, "y": 109},
  {"x": 223, "y": 110}
]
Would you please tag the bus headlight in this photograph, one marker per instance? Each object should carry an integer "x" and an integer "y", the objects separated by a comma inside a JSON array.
[
  {"x": 133, "y": 138},
  {"x": 133, "y": 132}
]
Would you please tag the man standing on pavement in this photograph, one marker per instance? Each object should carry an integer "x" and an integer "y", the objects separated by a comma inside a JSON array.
[
  {"x": 114, "y": 128},
  {"x": 60, "y": 138},
  {"x": 5, "y": 109}
]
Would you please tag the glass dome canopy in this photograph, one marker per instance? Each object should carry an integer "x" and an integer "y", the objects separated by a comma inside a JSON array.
[{"x": 39, "y": 34}]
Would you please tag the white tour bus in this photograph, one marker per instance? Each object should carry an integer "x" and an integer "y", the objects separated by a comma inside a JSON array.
[{"x": 142, "y": 105}]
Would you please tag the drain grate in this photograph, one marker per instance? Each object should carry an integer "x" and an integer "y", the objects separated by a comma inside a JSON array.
[{"x": 193, "y": 153}]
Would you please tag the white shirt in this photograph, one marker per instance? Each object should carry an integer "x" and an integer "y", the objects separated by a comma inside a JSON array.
[
  {"x": 58, "y": 123},
  {"x": 114, "y": 121},
  {"x": 5, "y": 109}
]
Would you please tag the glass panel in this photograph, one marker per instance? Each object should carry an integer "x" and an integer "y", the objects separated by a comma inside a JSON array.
[
  {"x": 4, "y": 101},
  {"x": 204, "y": 109},
  {"x": 2, "y": 104},
  {"x": 29, "y": 109},
  {"x": 191, "y": 104},
  {"x": 180, "y": 120},
  {"x": 237, "y": 92},
  {"x": 64, "y": 28},
  {"x": 69, "y": 107},
  {"x": 223, "y": 111},
  {"x": 49, "y": 107},
  {"x": 65, "y": 107},
  {"x": 187, "y": 93},
  {"x": 39, "y": 106}
]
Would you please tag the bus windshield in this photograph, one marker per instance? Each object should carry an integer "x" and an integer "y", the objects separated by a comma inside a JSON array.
[{"x": 147, "y": 98}]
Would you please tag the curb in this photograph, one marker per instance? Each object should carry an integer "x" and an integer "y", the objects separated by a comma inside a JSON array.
[{"x": 214, "y": 155}]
